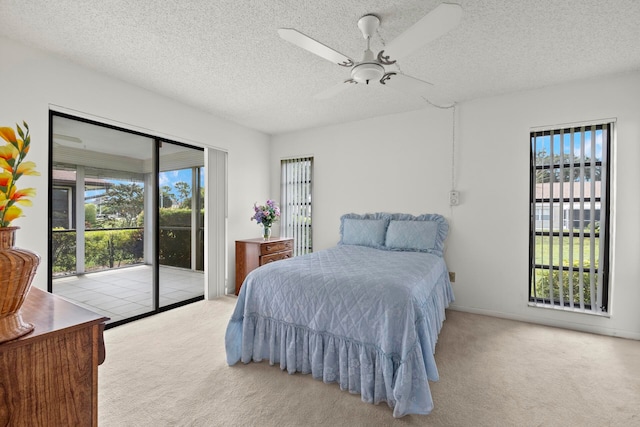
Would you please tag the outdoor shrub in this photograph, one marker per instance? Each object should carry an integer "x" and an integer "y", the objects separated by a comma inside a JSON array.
[
  {"x": 63, "y": 253},
  {"x": 542, "y": 285}
]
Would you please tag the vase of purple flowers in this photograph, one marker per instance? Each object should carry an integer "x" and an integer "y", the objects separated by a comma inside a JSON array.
[{"x": 265, "y": 215}]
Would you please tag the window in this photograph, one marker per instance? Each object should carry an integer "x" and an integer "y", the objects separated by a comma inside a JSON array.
[
  {"x": 296, "y": 203},
  {"x": 569, "y": 218},
  {"x": 61, "y": 199}
]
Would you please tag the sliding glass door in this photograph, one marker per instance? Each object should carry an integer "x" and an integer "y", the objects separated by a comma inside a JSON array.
[
  {"x": 181, "y": 220},
  {"x": 126, "y": 219}
]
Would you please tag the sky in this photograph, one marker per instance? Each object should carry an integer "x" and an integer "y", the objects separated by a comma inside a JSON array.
[
  {"x": 542, "y": 144},
  {"x": 171, "y": 177}
]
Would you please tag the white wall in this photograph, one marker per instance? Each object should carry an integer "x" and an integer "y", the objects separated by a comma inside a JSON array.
[
  {"x": 396, "y": 163},
  {"x": 31, "y": 81},
  {"x": 403, "y": 163}
]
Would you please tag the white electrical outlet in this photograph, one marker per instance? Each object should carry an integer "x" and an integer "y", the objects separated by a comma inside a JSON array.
[{"x": 454, "y": 198}]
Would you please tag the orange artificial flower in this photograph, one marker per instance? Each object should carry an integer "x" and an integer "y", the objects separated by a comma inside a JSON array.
[
  {"x": 20, "y": 196},
  {"x": 10, "y": 213},
  {"x": 5, "y": 179},
  {"x": 12, "y": 167},
  {"x": 9, "y": 135},
  {"x": 27, "y": 168}
]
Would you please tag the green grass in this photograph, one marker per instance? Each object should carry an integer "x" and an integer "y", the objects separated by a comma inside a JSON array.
[{"x": 545, "y": 245}]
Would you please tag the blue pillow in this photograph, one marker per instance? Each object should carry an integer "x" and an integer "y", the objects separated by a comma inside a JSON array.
[
  {"x": 363, "y": 230},
  {"x": 424, "y": 233}
]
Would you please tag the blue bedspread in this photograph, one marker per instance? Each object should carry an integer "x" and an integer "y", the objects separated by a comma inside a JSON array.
[{"x": 365, "y": 318}]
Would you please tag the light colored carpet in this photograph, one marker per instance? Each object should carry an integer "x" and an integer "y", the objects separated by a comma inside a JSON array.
[{"x": 170, "y": 370}]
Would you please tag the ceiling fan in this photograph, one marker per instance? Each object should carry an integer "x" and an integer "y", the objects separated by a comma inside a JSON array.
[{"x": 371, "y": 68}]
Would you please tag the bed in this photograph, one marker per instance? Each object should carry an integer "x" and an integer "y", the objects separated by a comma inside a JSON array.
[{"x": 365, "y": 313}]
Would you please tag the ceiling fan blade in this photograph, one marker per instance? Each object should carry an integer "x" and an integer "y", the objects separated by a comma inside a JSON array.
[
  {"x": 439, "y": 21},
  {"x": 406, "y": 84},
  {"x": 314, "y": 46},
  {"x": 336, "y": 89}
]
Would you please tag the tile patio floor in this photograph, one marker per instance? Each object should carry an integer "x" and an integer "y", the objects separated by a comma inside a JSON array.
[{"x": 126, "y": 292}]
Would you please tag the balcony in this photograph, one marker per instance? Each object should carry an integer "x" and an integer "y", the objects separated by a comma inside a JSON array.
[
  {"x": 126, "y": 292},
  {"x": 112, "y": 277}
]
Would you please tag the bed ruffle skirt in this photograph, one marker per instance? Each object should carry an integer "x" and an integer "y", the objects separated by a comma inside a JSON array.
[{"x": 360, "y": 368}]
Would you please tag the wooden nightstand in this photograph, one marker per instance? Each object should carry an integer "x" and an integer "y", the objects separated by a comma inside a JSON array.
[{"x": 252, "y": 253}]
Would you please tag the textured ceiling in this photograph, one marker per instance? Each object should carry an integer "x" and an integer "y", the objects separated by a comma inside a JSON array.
[{"x": 225, "y": 56}]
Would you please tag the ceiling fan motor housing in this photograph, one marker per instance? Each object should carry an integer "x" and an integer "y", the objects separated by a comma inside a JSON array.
[{"x": 365, "y": 71}]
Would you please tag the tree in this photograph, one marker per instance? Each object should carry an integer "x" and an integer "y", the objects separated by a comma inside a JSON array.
[
  {"x": 186, "y": 203},
  {"x": 553, "y": 174},
  {"x": 125, "y": 201},
  {"x": 90, "y": 215},
  {"x": 184, "y": 194},
  {"x": 167, "y": 198}
]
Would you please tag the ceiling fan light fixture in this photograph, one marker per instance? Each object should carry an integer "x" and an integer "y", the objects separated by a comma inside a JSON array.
[{"x": 366, "y": 71}]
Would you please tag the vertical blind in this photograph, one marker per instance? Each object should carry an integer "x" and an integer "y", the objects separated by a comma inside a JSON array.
[
  {"x": 296, "y": 203},
  {"x": 569, "y": 217}
]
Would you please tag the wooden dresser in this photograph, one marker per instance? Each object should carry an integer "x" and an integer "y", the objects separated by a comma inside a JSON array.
[
  {"x": 50, "y": 376},
  {"x": 252, "y": 253}
]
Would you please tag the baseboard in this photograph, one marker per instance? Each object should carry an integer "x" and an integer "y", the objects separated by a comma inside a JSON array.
[{"x": 551, "y": 322}]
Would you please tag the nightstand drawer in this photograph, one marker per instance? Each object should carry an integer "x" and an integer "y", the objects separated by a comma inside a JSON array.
[
  {"x": 266, "y": 259},
  {"x": 252, "y": 253},
  {"x": 273, "y": 247}
]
